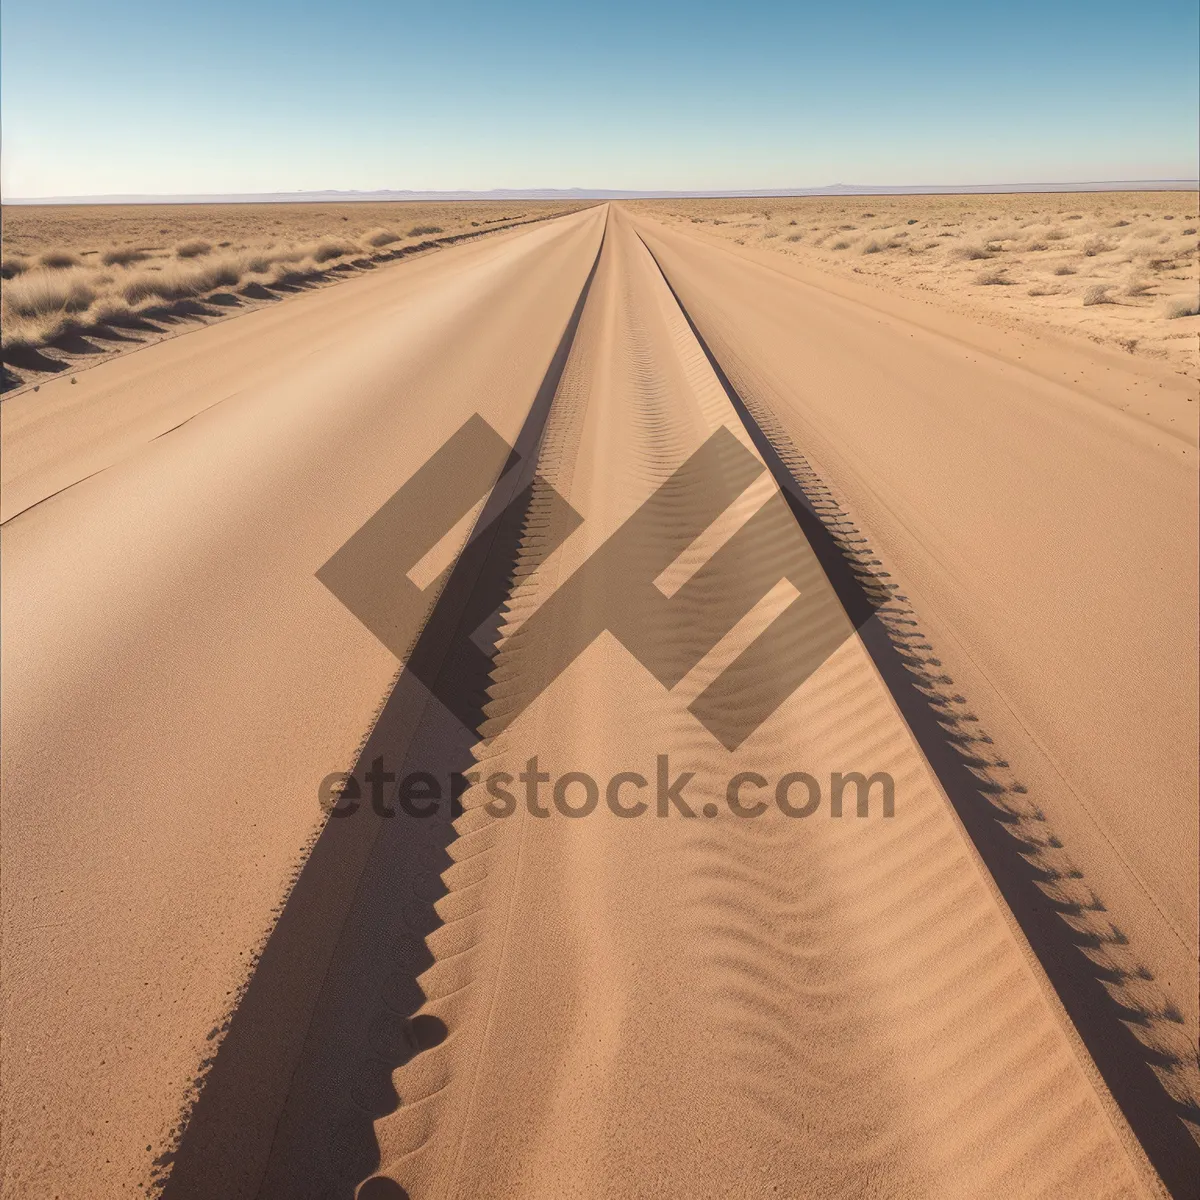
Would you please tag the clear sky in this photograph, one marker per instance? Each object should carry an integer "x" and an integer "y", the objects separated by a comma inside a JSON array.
[{"x": 129, "y": 96}]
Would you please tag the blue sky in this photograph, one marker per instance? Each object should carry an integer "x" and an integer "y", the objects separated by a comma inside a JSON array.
[{"x": 247, "y": 95}]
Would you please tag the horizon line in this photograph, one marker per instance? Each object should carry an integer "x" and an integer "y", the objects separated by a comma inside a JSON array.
[{"x": 356, "y": 195}]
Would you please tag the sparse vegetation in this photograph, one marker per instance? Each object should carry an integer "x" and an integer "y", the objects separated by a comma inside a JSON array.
[
  {"x": 327, "y": 251},
  {"x": 59, "y": 259},
  {"x": 1111, "y": 270},
  {"x": 75, "y": 269},
  {"x": 1098, "y": 293},
  {"x": 1181, "y": 306},
  {"x": 971, "y": 252},
  {"x": 122, "y": 256},
  {"x": 385, "y": 237}
]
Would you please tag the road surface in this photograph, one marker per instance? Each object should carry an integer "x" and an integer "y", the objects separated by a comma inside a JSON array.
[{"x": 210, "y": 989}]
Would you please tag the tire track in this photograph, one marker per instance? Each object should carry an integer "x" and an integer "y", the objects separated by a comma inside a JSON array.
[
  {"x": 1133, "y": 1032},
  {"x": 687, "y": 1005}
]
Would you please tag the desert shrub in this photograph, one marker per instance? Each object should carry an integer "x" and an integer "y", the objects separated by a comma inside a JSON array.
[
  {"x": 794, "y": 237},
  {"x": 56, "y": 260},
  {"x": 1065, "y": 269},
  {"x": 992, "y": 277},
  {"x": 875, "y": 245},
  {"x": 178, "y": 282},
  {"x": 325, "y": 251},
  {"x": 41, "y": 293},
  {"x": 112, "y": 310},
  {"x": 1096, "y": 245},
  {"x": 192, "y": 249},
  {"x": 1098, "y": 293},
  {"x": 1056, "y": 235},
  {"x": 422, "y": 230},
  {"x": 12, "y": 267},
  {"x": 1136, "y": 285},
  {"x": 840, "y": 244},
  {"x": 290, "y": 272},
  {"x": 385, "y": 237},
  {"x": 1181, "y": 306},
  {"x": 1042, "y": 289},
  {"x": 970, "y": 251},
  {"x": 1037, "y": 246},
  {"x": 258, "y": 264},
  {"x": 20, "y": 332},
  {"x": 122, "y": 256}
]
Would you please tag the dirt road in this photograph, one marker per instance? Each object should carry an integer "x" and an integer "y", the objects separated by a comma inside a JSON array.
[{"x": 852, "y": 540}]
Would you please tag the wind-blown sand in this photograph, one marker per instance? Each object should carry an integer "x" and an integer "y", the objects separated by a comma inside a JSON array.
[{"x": 990, "y": 993}]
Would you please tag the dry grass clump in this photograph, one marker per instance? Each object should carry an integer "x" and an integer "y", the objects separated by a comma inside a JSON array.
[
  {"x": 876, "y": 245},
  {"x": 1098, "y": 293},
  {"x": 971, "y": 252},
  {"x": 76, "y": 268},
  {"x": 327, "y": 251},
  {"x": 58, "y": 260},
  {"x": 181, "y": 281},
  {"x": 1181, "y": 306},
  {"x": 1100, "y": 265},
  {"x": 122, "y": 256},
  {"x": 383, "y": 237},
  {"x": 39, "y": 293},
  {"x": 1096, "y": 245}
]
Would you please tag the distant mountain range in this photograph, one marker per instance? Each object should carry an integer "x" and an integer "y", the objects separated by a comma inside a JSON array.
[{"x": 835, "y": 189}]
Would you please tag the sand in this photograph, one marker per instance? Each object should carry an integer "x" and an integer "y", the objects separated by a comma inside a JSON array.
[
  {"x": 1119, "y": 269},
  {"x": 209, "y": 990},
  {"x": 86, "y": 283}
]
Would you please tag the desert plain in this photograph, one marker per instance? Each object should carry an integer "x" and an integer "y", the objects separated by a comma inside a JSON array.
[{"x": 647, "y": 698}]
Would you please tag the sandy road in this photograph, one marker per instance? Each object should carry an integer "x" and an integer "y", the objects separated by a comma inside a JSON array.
[
  {"x": 707, "y": 1005},
  {"x": 176, "y": 680},
  {"x": 716, "y": 1005},
  {"x": 1037, "y": 506}
]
